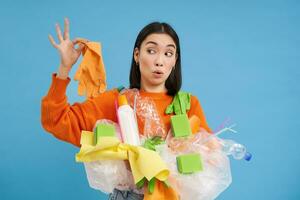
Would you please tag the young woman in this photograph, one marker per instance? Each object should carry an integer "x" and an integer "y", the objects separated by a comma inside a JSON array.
[{"x": 155, "y": 71}]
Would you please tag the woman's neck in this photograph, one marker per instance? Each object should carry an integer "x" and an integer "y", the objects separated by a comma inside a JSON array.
[{"x": 154, "y": 89}]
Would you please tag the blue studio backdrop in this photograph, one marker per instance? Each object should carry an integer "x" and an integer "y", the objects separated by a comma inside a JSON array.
[{"x": 240, "y": 58}]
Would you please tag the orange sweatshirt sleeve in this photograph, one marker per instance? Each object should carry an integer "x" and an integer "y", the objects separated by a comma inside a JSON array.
[
  {"x": 66, "y": 121},
  {"x": 197, "y": 110}
]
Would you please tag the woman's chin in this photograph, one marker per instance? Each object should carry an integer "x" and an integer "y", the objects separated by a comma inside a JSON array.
[{"x": 157, "y": 82}]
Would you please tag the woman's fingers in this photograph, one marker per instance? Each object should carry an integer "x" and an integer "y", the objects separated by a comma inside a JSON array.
[
  {"x": 77, "y": 40},
  {"x": 80, "y": 47},
  {"x": 58, "y": 31},
  {"x": 52, "y": 41},
  {"x": 67, "y": 29}
]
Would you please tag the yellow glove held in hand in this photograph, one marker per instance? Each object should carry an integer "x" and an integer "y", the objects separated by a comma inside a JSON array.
[{"x": 91, "y": 72}]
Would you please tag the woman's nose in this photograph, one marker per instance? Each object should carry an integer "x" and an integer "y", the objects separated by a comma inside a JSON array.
[{"x": 159, "y": 61}]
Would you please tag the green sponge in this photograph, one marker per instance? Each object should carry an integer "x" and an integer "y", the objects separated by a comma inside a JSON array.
[
  {"x": 189, "y": 163},
  {"x": 104, "y": 130},
  {"x": 181, "y": 125}
]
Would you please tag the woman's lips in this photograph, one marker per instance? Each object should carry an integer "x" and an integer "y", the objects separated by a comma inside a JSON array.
[{"x": 158, "y": 74}]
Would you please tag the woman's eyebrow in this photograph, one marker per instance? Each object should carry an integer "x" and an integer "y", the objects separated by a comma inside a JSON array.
[{"x": 169, "y": 45}]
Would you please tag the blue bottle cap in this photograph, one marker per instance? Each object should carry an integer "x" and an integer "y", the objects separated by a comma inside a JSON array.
[{"x": 248, "y": 156}]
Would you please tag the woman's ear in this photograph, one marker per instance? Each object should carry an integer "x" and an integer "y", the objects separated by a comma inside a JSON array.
[{"x": 136, "y": 54}]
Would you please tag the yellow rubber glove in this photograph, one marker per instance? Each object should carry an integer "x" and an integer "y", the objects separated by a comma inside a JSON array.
[{"x": 91, "y": 72}]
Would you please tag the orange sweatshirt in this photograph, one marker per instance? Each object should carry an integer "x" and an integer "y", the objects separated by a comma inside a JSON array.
[{"x": 66, "y": 121}]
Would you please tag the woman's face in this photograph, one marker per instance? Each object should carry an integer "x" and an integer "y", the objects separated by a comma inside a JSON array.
[{"x": 156, "y": 58}]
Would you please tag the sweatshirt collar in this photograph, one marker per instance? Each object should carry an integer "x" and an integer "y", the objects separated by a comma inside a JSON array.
[{"x": 155, "y": 95}]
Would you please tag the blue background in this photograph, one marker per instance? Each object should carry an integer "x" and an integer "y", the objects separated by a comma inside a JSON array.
[{"x": 241, "y": 58}]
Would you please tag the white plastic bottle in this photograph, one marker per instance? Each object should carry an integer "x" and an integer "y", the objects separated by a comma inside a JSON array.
[{"x": 127, "y": 122}]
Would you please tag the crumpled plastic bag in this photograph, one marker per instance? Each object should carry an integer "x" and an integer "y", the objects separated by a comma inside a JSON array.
[
  {"x": 105, "y": 175},
  {"x": 147, "y": 116},
  {"x": 204, "y": 185}
]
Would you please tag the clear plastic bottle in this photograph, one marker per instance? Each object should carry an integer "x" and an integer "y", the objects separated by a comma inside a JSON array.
[
  {"x": 127, "y": 122},
  {"x": 237, "y": 150}
]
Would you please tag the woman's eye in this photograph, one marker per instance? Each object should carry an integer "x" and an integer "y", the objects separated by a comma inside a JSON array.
[
  {"x": 151, "y": 51},
  {"x": 169, "y": 54}
]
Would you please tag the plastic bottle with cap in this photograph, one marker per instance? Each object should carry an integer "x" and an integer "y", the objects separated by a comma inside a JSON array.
[
  {"x": 127, "y": 122},
  {"x": 237, "y": 151}
]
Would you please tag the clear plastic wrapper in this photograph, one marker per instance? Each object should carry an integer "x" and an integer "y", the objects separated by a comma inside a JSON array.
[
  {"x": 146, "y": 113},
  {"x": 105, "y": 175},
  {"x": 206, "y": 184}
]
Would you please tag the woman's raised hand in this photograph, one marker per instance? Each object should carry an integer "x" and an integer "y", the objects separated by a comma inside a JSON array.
[{"x": 66, "y": 48}]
